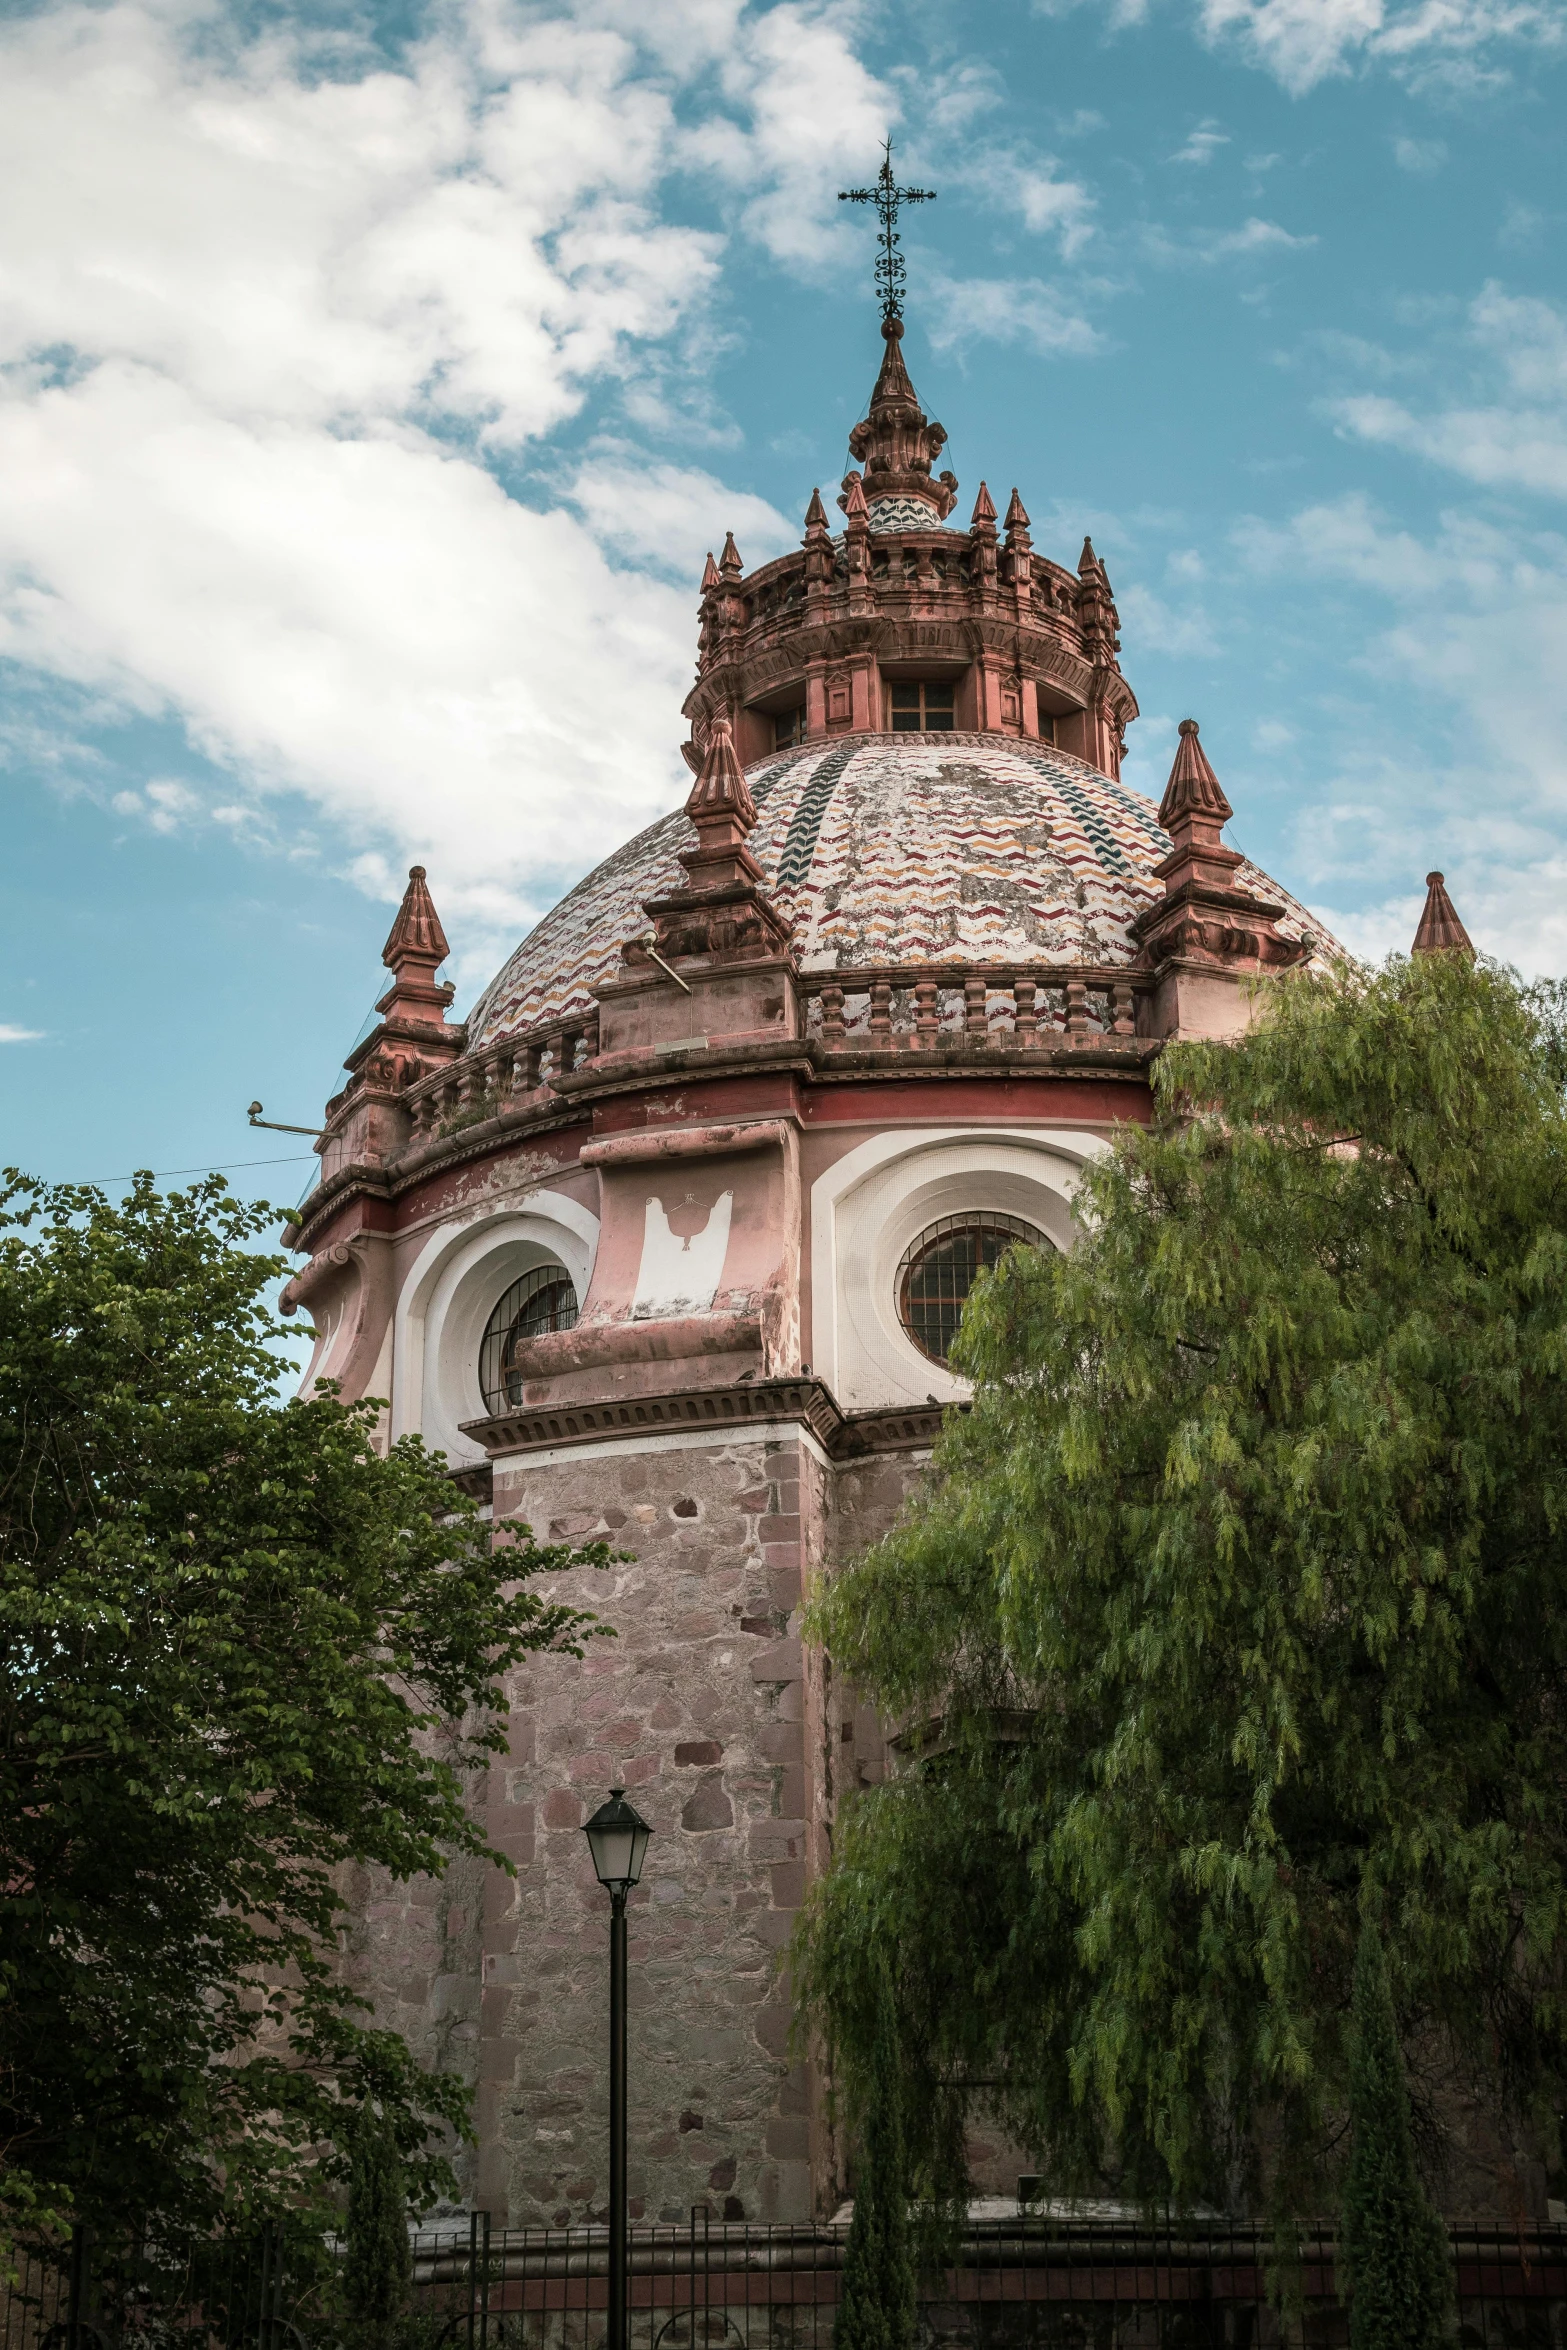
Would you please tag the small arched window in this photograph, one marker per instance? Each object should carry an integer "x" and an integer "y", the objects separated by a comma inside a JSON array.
[
  {"x": 938, "y": 1272},
  {"x": 543, "y": 1300}
]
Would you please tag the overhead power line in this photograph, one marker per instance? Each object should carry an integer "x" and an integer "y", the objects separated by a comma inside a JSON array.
[{"x": 230, "y": 1167}]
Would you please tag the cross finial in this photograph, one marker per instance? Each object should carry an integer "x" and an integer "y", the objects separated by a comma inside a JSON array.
[{"x": 886, "y": 195}]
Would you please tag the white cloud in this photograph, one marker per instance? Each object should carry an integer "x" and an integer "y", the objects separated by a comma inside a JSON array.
[
  {"x": 1420, "y": 156},
  {"x": 969, "y": 310},
  {"x": 368, "y": 620},
  {"x": 13, "y": 1035},
  {"x": 1494, "y": 446},
  {"x": 1520, "y": 917},
  {"x": 328, "y": 250},
  {"x": 951, "y": 103},
  {"x": 1057, "y": 207},
  {"x": 1516, "y": 439},
  {"x": 1201, "y": 144},
  {"x": 1048, "y": 202},
  {"x": 1298, "y": 41},
  {"x": 1207, "y": 246},
  {"x": 1382, "y": 929},
  {"x": 1181, "y": 628},
  {"x": 1425, "y": 43},
  {"x": 271, "y": 312},
  {"x": 1521, "y": 227},
  {"x": 1253, "y": 236},
  {"x": 816, "y": 119},
  {"x": 671, "y": 517},
  {"x": 1472, "y": 637}
]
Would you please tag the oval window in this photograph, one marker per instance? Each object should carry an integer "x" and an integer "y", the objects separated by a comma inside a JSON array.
[
  {"x": 541, "y": 1301},
  {"x": 938, "y": 1272}
]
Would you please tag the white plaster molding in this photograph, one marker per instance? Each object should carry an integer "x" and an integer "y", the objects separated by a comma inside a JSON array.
[
  {"x": 680, "y": 1275},
  {"x": 381, "y": 1384},
  {"x": 331, "y": 1325},
  {"x": 869, "y": 1206},
  {"x": 449, "y": 1294}
]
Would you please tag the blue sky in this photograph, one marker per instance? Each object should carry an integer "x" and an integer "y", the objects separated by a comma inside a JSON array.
[{"x": 371, "y": 385}]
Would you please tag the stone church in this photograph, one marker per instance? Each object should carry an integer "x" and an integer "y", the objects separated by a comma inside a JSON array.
[{"x": 666, "y": 1243}]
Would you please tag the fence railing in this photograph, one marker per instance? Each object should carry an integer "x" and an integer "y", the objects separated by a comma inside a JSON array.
[{"x": 1036, "y": 2281}]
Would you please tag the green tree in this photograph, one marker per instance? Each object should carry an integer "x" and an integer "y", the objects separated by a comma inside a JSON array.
[
  {"x": 1233, "y": 1607},
  {"x": 1392, "y": 2244},
  {"x": 876, "y": 2302},
  {"x": 377, "y": 2263},
  {"x": 240, "y": 1647}
]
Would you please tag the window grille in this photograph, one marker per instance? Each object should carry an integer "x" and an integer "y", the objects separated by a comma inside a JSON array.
[
  {"x": 938, "y": 1272},
  {"x": 789, "y": 728},
  {"x": 541, "y": 1301},
  {"x": 918, "y": 708}
]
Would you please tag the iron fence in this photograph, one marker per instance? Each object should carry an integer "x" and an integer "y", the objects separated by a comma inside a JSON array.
[{"x": 1034, "y": 2282}]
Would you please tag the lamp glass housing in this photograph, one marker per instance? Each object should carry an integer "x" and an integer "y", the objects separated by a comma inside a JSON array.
[{"x": 617, "y": 1838}]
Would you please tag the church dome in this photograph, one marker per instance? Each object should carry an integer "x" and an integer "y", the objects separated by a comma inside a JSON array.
[{"x": 888, "y": 849}]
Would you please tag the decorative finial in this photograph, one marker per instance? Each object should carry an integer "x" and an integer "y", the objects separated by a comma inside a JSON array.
[
  {"x": 1193, "y": 789},
  {"x": 816, "y": 512},
  {"x": 887, "y": 196},
  {"x": 1440, "y": 931},
  {"x": 720, "y": 803},
  {"x": 984, "y": 514},
  {"x": 1087, "y": 561},
  {"x": 709, "y": 575},
  {"x": 416, "y": 937},
  {"x": 1208, "y": 915},
  {"x": 1017, "y": 515},
  {"x": 729, "y": 562},
  {"x": 414, "y": 951}
]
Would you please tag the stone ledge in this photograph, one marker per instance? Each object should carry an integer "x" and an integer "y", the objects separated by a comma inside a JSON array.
[
  {"x": 561, "y": 1104},
  {"x": 842, "y": 1435}
]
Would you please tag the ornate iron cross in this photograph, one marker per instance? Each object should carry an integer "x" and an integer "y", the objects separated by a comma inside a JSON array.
[{"x": 886, "y": 195}]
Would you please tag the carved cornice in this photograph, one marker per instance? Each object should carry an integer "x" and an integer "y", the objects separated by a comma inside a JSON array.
[
  {"x": 649, "y": 1149},
  {"x": 744, "y": 671},
  {"x": 1115, "y": 1059},
  {"x": 568, "y": 1098},
  {"x": 843, "y": 1436}
]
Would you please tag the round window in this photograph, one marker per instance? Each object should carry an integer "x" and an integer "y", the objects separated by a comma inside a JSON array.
[
  {"x": 938, "y": 1272},
  {"x": 541, "y": 1301}
]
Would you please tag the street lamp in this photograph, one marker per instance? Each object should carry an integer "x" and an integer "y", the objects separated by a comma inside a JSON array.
[{"x": 617, "y": 1838}]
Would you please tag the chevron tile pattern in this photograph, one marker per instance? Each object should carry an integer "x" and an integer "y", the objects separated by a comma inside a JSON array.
[{"x": 888, "y": 849}]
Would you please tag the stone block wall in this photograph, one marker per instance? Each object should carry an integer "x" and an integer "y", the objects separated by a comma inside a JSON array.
[
  {"x": 739, "y": 1747},
  {"x": 696, "y": 1707}
]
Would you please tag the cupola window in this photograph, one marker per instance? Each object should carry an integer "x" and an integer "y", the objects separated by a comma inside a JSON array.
[
  {"x": 939, "y": 1268},
  {"x": 918, "y": 708},
  {"x": 543, "y": 1300},
  {"x": 789, "y": 727}
]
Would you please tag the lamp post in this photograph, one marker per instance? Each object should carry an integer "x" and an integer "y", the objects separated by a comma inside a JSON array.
[{"x": 617, "y": 1838}]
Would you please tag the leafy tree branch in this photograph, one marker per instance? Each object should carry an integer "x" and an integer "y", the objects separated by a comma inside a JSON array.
[{"x": 243, "y": 1645}]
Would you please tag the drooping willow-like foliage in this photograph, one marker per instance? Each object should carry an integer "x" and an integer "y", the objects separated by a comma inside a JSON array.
[{"x": 1237, "y": 1607}]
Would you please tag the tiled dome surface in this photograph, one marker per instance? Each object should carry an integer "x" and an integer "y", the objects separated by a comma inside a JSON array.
[{"x": 887, "y": 849}]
